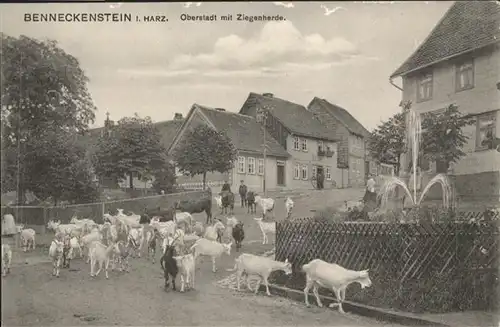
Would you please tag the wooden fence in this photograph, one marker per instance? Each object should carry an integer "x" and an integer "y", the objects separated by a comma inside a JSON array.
[
  {"x": 39, "y": 216},
  {"x": 414, "y": 267}
]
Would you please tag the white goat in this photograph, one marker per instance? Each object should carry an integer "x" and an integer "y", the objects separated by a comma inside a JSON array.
[
  {"x": 55, "y": 253},
  {"x": 231, "y": 221},
  {"x": 100, "y": 254},
  {"x": 198, "y": 228},
  {"x": 6, "y": 259},
  {"x": 210, "y": 248},
  {"x": 250, "y": 264},
  {"x": 218, "y": 200},
  {"x": 27, "y": 237},
  {"x": 167, "y": 228},
  {"x": 289, "y": 207},
  {"x": 266, "y": 204},
  {"x": 88, "y": 240},
  {"x": 186, "y": 264},
  {"x": 332, "y": 276},
  {"x": 215, "y": 231},
  {"x": 121, "y": 253},
  {"x": 176, "y": 240},
  {"x": 135, "y": 239},
  {"x": 184, "y": 218},
  {"x": 266, "y": 228}
]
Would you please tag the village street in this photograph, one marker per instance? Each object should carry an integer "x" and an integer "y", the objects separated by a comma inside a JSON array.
[{"x": 31, "y": 296}]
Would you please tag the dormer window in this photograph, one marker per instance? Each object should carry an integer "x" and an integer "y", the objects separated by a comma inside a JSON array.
[{"x": 424, "y": 87}]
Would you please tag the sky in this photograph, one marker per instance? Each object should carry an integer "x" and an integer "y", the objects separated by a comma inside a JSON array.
[{"x": 159, "y": 68}]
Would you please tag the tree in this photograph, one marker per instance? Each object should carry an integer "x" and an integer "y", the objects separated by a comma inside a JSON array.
[
  {"x": 164, "y": 179},
  {"x": 443, "y": 136},
  {"x": 132, "y": 148},
  {"x": 59, "y": 169},
  {"x": 42, "y": 87},
  {"x": 205, "y": 150},
  {"x": 387, "y": 142}
]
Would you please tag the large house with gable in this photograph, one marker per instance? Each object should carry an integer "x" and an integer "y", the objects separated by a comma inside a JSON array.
[
  {"x": 312, "y": 146},
  {"x": 459, "y": 63},
  {"x": 247, "y": 136},
  {"x": 352, "y": 153}
]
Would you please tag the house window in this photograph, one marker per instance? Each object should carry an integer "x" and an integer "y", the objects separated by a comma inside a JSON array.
[
  {"x": 321, "y": 146},
  {"x": 251, "y": 166},
  {"x": 304, "y": 172},
  {"x": 296, "y": 143},
  {"x": 465, "y": 75},
  {"x": 313, "y": 172},
  {"x": 486, "y": 131},
  {"x": 241, "y": 165},
  {"x": 260, "y": 166},
  {"x": 328, "y": 174},
  {"x": 425, "y": 87},
  {"x": 296, "y": 171},
  {"x": 304, "y": 144}
]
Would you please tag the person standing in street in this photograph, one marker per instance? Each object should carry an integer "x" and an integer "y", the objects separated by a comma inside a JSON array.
[
  {"x": 243, "y": 193},
  {"x": 370, "y": 198}
]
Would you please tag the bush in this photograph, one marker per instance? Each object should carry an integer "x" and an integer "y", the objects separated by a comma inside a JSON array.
[{"x": 332, "y": 214}]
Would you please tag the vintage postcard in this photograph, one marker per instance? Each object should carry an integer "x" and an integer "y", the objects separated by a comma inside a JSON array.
[{"x": 250, "y": 163}]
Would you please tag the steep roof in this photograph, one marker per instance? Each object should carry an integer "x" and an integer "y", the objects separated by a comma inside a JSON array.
[
  {"x": 244, "y": 131},
  {"x": 168, "y": 129},
  {"x": 295, "y": 117},
  {"x": 466, "y": 26},
  {"x": 343, "y": 116}
]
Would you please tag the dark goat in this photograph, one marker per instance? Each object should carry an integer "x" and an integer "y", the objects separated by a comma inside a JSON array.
[
  {"x": 227, "y": 201},
  {"x": 251, "y": 205},
  {"x": 197, "y": 206},
  {"x": 170, "y": 267},
  {"x": 66, "y": 260},
  {"x": 238, "y": 235},
  {"x": 165, "y": 215}
]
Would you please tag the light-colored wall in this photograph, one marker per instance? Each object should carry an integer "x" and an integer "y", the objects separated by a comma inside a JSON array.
[
  {"x": 310, "y": 158},
  {"x": 254, "y": 182},
  {"x": 357, "y": 151},
  {"x": 483, "y": 97}
]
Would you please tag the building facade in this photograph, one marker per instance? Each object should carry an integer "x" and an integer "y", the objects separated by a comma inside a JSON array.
[
  {"x": 247, "y": 136},
  {"x": 459, "y": 63},
  {"x": 351, "y": 160},
  {"x": 312, "y": 147}
]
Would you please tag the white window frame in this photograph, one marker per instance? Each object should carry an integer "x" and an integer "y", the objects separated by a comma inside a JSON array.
[
  {"x": 296, "y": 171},
  {"x": 425, "y": 83},
  {"x": 328, "y": 173},
  {"x": 304, "y": 168},
  {"x": 241, "y": 165},
  {"x": 462, "y": 70},
  {"x": 493, "y": 127},
  {"x": 251, "y": 165},
  {"x": 303, "y": 144},
  {"x": 260, "y": 166},
  {"x": 296, "y": 143}
]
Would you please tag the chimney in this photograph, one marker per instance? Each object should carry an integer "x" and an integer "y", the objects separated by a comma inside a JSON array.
[
  {"x": 220, "y": 109},
  {"x": 269, "y": 95},
  {"x": 178, "y": 116}
]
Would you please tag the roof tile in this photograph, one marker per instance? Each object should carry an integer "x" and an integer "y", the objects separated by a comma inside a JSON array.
[{"x": 466, "y": 26}]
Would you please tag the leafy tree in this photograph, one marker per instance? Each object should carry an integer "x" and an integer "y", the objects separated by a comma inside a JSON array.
[
  {"x": 132, "y": 148},
  {"x": 164, "y": 179},
  {"x": 42, "y": 87},
  {"x": 205, "y": 150},
  {"x": 59, "y": 168},
  {"x": 443, "y": 136},
  {"x": 387, "y": 142}
]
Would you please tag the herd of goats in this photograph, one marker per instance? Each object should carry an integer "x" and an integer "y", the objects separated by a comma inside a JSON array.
[{"x": 182, "y": 241}]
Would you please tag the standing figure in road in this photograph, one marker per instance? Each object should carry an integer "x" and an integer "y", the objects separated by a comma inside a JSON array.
[
  {"x": 226, "y": 187},
  {"x": 320, "y": 179},
  {"x": 370, "y": 198},
  {"x": 243, "y": 193}
]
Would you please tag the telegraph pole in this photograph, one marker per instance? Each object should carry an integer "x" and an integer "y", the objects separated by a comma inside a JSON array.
[{"x": 262, "y": 118}]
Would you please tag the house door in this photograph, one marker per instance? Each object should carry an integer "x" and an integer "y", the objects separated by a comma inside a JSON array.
[
  {"x": 280, "y": 174},
  {"x": 320, "y": 177}
]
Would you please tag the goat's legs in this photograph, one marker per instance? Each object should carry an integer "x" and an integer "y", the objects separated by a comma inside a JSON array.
[
  {"x": 58, "y": 264},
  {"x": 183, "y": 282},
  {"x": 214, "y": 269},
  {"x": 339, "y": 299},
  {"x": 33, "y": 244},
  {"x": 316, "y": 295},
  {"x": 106, "y": 267},
  {"x": 258, "y": 285},
  {"x": 267, "y": 286},
  {"x": 309, "y": 284}
]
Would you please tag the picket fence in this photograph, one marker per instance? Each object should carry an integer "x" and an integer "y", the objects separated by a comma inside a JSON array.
[
  {"x": 437, "y": 267},
  {"x": 40, "y": 215}
]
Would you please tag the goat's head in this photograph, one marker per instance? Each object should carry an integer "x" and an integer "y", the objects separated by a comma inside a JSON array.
[
  {"x": 120, "y": 212},
  {"x": 287, "y": 267},
  {"x": 364, "y": 279}
]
